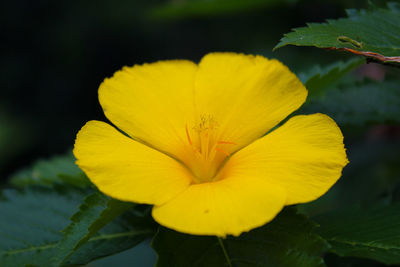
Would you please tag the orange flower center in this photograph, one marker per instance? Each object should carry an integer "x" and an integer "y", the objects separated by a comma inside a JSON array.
[{"x": 205, "y": 153}]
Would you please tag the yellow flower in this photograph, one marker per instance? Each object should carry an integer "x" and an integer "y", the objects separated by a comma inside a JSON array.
[{"x": 195, "y": 144}]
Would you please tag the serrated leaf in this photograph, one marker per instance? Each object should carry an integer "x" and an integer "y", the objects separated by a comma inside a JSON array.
[
  {"x": 56, "y": 170},
  {"x": 286, "y": 241},
  {"x": 372, "y": 233},
  {"x": 128, "y": 230},
  {"x": 358, "y": 103},
  {"x": 194, "y": 8},
  {"x": 96, "y": 211},
  {"x": 318, "y": 78},
  {"x": 31, "y": 221},
  {"x": 374, "y": 34}
]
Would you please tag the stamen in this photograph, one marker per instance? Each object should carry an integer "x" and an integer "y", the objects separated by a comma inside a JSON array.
[
  {"x": 205, "y": 153},
  {"x": 226, "y": 143},
  {"x": 188, "y": 136},
  {"x": 223, "y": 151}
]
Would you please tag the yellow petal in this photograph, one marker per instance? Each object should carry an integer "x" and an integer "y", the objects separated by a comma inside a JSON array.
[
  {"x": 125, "y": 169},
  {"x": 305, "y": 156},
  {"x": 152, "y": 102},
  {"x": 229, "y": 206},
  {"x": 246, "y": 95}
]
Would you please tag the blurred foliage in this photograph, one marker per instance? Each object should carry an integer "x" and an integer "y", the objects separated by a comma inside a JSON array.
[
  {"x": 142, "y": 253},
  {"x": 370, "y": 178},
  {"x": 31, "y": 234},
  {"x": 57, "y": 170},
  {"x": 193, "y": 8},
  {"x": 318, "y": 78},
  {"x": 359, "y": 102},
  {"x": 367, "y": 233},
  {"x": 274, "y": 244},
  {"x": 96, "y": 211}
]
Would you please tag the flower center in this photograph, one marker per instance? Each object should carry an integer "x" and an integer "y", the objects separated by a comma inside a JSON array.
[{"x": 205, "y": 152}]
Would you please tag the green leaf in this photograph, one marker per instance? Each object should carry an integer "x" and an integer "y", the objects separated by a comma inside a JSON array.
[
  {"x": 286, "y": 241},
  {"x": 319, "y": 78},
  {"x": 374, "y": 34},
  {"x": 96, "y": 211},
  {"x": 372, "y": 233},
  {"x": 358, "y": 102},
  {"x": 31, "y": 221},
  {"x": 374, "y": 170},
  {"x": 194, "y": 8},
  {"x": 142, "y": 254},
  {"x": 56, "y": 170},
  {"x": 125, "y": 232}
]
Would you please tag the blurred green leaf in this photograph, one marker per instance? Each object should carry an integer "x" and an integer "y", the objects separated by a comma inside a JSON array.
[
  {"x": 333, "y": 260},
  {"x": 31, "y": 221},
  {"x": 56, "y": 170},
  {"x": 318, "y": 78},
  {"x": 373, "y": 169},
  {"x": 194, "y": 8},
  {"x": 372, "y": 33},
  {"x": 96, "y": 211},
  {"x": 286, "y": 241},
  {"x": 121, "y": 234},
  {"x": 143, "y": 253},
  {"x": 372, "y": 233},
  {"x": 357, "y": 103}
]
